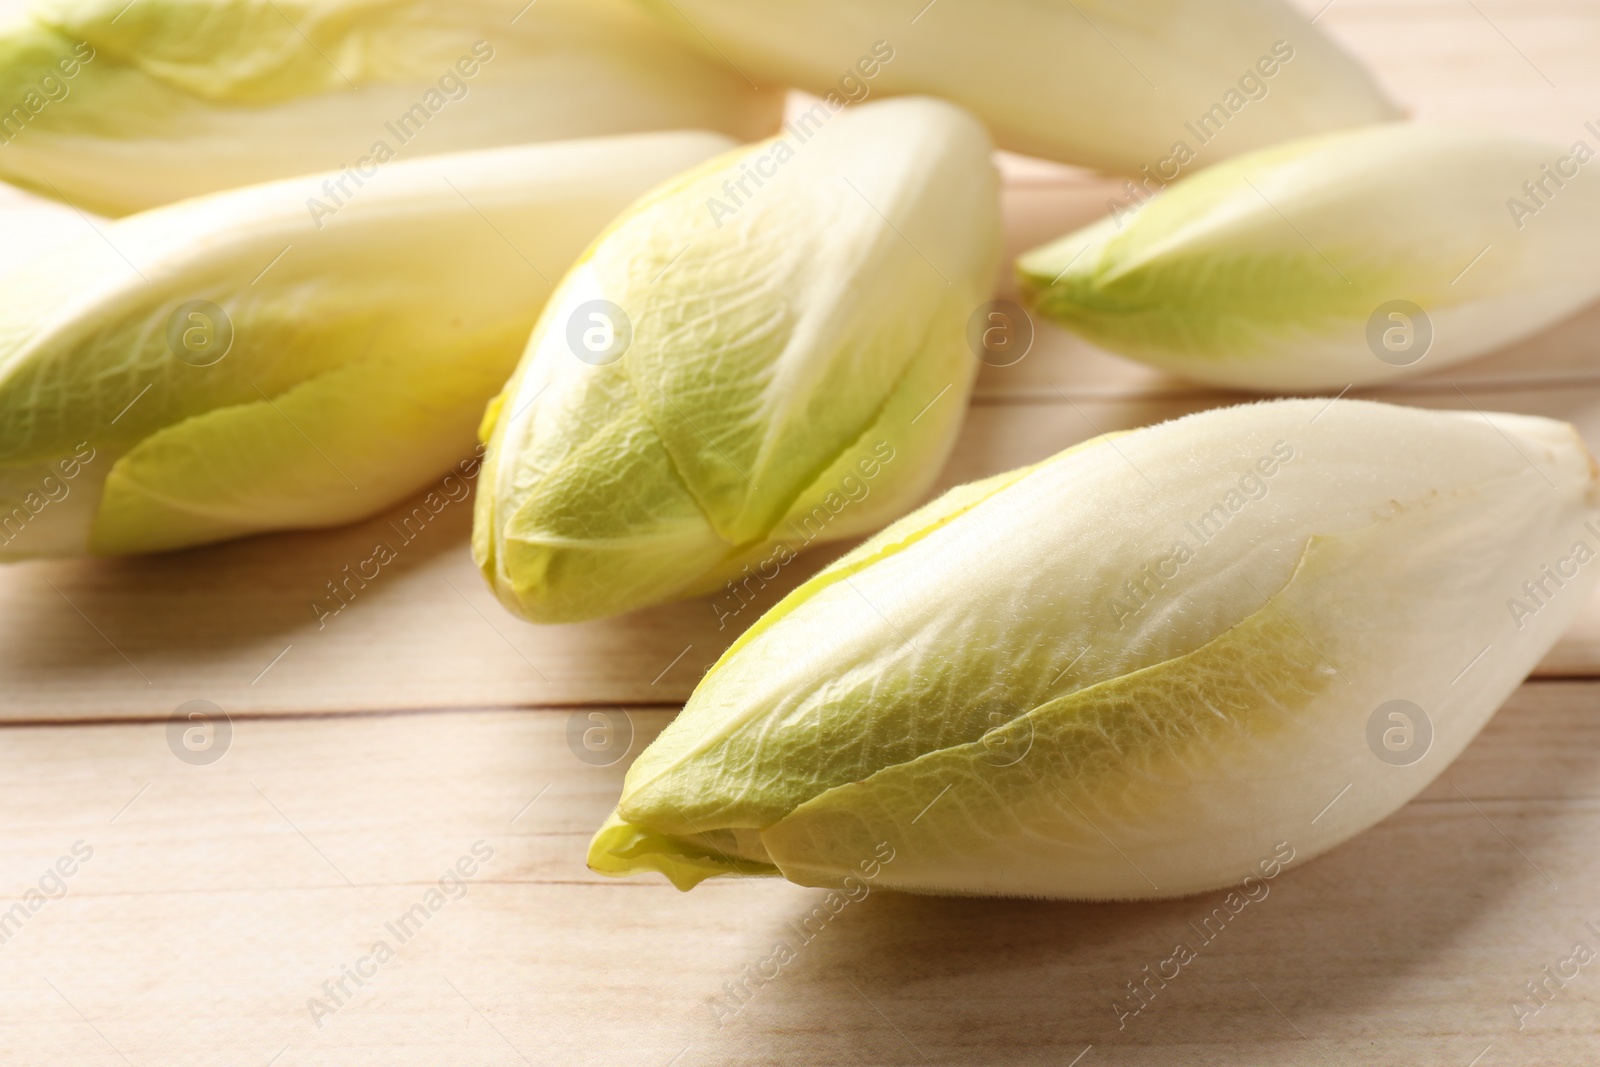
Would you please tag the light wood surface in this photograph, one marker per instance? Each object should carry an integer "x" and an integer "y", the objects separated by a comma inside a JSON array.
[
  {"x": 370, "y": 755},
  {"x": 218, "y": 899}
]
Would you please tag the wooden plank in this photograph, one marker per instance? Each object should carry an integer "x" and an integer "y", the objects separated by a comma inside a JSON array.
[
  {"x": 1524, "y": 65},
  {"x": 237, "y": 623},
  {"x": 228, "y": 893}
]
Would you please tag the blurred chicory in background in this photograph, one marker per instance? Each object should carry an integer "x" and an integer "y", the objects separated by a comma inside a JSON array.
[
  {"x": 1143, "y": 87},
  {"x": 1344, "y": 259},
  {"x": 117, "y": 107}
]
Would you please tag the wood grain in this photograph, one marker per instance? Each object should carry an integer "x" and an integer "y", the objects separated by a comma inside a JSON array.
[
  {"x": 219, "y": 898},
  {"x": 227, "y": 894}
]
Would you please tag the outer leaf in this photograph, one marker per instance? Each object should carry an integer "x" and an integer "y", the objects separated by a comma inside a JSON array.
[
  {"x": 1114, "y": 84},
  {"x": 798, "y": 314},
  {"x": 1133, "y": 669},
  {"x": 1269, "y": 271},
  {"x": 364, "y": 345},
  {"x": 121, "y": 107}
]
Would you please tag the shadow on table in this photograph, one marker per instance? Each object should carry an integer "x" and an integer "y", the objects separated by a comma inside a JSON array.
[
  {"x": 217, "y": 596},
  {"x": 191, "y": 616},
  {"x": 1362, "y": 942}
]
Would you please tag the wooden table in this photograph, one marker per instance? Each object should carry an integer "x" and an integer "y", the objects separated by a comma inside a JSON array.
[{"x": 423, "y": 728}]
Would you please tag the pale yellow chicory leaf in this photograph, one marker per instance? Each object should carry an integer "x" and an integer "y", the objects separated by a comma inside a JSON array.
[
  {"x": 237, "y": 363},
  {"x": 1144, "y": 87},
  {"x": 1345, "y": 259},
  {"x": 768, "y": 352},
  {"x": 118, "y": 107},
  {"x": 1137, "y": 669}
]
